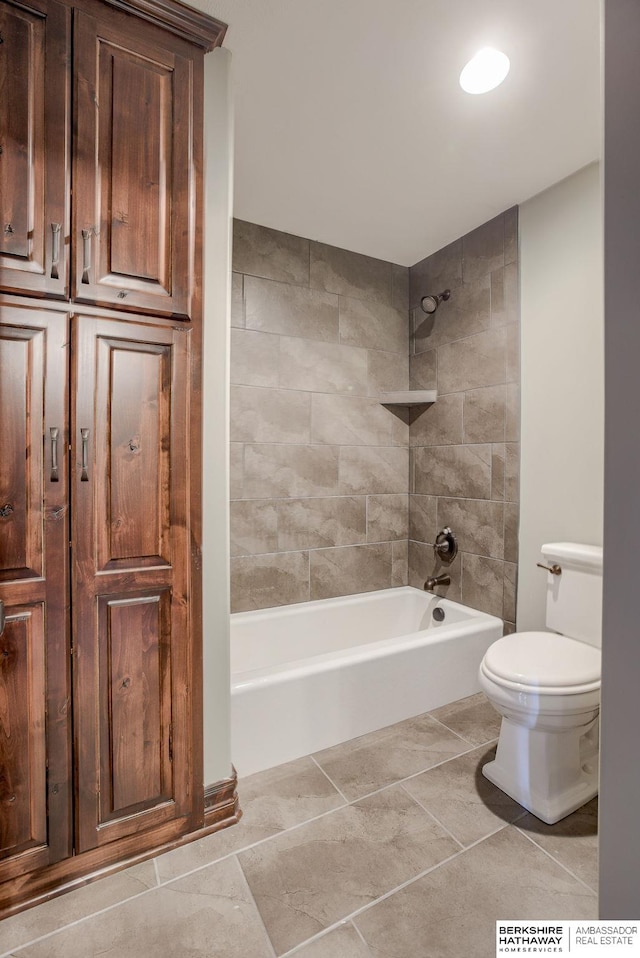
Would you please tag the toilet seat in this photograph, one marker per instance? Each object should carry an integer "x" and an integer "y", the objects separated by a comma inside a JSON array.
[{"x": 549, "y": 663}]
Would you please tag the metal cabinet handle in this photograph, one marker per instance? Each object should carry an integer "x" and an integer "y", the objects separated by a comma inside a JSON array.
[
  {"x": 553, "y": 569},
  {"x": 54, "y": 432},
  {"x": 55, "y": 249},
  {"x": 86, "y": 254},
  {"x": 84, "y": 475},
  {"x": 2, "y": 618}
]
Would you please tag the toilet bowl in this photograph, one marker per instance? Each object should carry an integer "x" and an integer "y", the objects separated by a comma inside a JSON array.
[{"x": 546, "y": 686}]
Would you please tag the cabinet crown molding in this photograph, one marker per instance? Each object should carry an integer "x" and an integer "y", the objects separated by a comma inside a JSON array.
[{"x": 184, "y": 21}]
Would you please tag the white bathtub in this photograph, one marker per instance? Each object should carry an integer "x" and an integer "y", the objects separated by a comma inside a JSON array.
[{"x": 308, "y": 676}]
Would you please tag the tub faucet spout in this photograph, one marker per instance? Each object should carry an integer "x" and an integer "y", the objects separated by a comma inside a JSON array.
[{"x": 432, "y": 582}]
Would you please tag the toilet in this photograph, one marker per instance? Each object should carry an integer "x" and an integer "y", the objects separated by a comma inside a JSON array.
[{"x": 546, "y": 686}]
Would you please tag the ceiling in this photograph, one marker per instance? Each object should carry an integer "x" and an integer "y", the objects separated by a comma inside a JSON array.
[{"x": 352, "y": 129}]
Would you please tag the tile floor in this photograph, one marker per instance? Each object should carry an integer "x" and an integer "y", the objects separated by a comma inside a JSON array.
[{"x": 392, "y": 845}]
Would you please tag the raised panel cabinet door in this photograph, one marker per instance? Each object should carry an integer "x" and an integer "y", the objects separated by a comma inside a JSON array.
[
  {"x": 133, "y": 648},
  {"x": 34, "y": 147},
  {"x": 35, "y": 731},
  {"x": 134, "y": 168}
]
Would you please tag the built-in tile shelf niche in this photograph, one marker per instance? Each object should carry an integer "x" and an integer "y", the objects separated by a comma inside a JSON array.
[{"x": 409, "y": 397}]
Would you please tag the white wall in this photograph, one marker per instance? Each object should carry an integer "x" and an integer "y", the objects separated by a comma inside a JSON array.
[
  {"x": 562, "y": 376},
  {"x": 217, "y": 291}
]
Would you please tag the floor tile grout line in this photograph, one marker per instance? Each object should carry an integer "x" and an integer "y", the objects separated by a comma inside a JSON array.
[
  {"x": 354, "y": 914},
  {"x": 315, "y": 818},
  {"x": 329, "y": 779},
  {"x": 431, "y": 815},
  {"x": 78, "y": 921},
  {"x": 246, "y": 848},
  {"x": 255, "y": 905},
  {"x": 359, "y": 911},
  {"x": 556, "y": 860},
  {"x": 157, "y": 871},
  {"x": 361, "y": 937}
]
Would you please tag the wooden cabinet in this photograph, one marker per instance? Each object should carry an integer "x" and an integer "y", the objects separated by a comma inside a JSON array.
[
  {"x": 133, "y": 217},
  {"x": 34, "y": 139},
  {"x": 100, "y": 355},
  {"x": 35, "y": 719},
  {"x": 131, "y": 599}
]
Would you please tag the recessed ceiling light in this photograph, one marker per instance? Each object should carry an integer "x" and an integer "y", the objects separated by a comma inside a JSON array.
[{"x": 485, "y": 71}]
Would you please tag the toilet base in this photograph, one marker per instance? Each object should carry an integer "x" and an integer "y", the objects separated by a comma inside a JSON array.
[{"x": 550, "y": 773}]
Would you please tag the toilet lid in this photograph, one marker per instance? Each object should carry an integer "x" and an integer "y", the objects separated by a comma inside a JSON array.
[{"x": 544, "y": 659}]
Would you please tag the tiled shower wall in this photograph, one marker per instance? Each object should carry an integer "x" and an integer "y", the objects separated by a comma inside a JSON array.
[
  {"x": 319, "y": 468},
  {"x": 465, "y": 450}
]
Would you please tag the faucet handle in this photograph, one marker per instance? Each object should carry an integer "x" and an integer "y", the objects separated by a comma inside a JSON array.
[{"x": 446, "y": 546}]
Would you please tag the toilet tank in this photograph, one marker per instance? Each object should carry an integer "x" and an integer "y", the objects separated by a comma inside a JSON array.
[{"x": 574, "y": 598}]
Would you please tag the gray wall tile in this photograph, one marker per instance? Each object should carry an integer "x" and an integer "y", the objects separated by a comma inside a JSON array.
[
  {"x": 254, "y": 527},
  {"x": 423, "y": 370},
  {"x": 485, "y": 414},
  {"x": 399, "y": 563},
  {"x": 505, "y": 296},
  {"x": 370, "y": 470},
  {"x": 512, "y": 424},
  {"x": 290, "y": 310},
  {"x": 260, "y": 251},
  {"x": 261, "y": 582},
  {"x": 482, "y": 583},
  {"x": 455, "y": 471},
  {"x": 509, "y": 593},
  {"x": 400, "y": 287},
  {"x": 374, "y": 325},
  {"x": 512, "y": 472},
  {"x": 387, "y": 517},
  {"x": 423, "y": 518},
  {"x": 274, "y": 471},
  {"x": 440, "y": 424},
  {"x": 254, "y": 358},
  {"x": 350, "y": 569},
  {"x": 432, "y": 275},
  {"x": 321, "y": 523},
  {"x": 269, "y": 415},
  {"x": 473, "y": 362},
  {"x": 237, "y": 299},
  {"x": 236, "y": 469},
  {"x": 478, "y": 523},
  {"x": 349, "y": 421},
  {"x": 322, "y": 367},
  {"x": 511, "y": 235},
  {"x": 512, "y": 372},
  {"x": 511, "y": 518},
  {"x": 350, "y": 274},
  {"x": 386, "y": 371},
  {"x": 466, "y": 313},
  {"x": 498, "y": 457},
  {"x": 483, "y": 250}
]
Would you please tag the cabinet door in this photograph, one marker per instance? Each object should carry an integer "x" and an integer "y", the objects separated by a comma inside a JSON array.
[
  {"x": 34, "y": 142},
  {"x": 35, "y": 739},
  {"x": 133, "y": 168},
  {"x": 131, "y": 589}
]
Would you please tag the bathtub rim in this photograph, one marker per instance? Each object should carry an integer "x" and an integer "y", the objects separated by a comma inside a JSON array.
[{"x": 251, "y": 679}]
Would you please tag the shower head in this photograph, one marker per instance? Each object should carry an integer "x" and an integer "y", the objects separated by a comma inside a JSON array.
[{"x": 429, "y": 304}]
